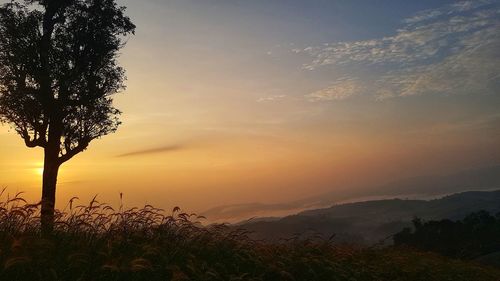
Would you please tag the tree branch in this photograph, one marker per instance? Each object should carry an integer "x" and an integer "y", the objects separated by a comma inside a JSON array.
[
  {"x": 33, "y": 142},
  {"x": 72, "y": 152}
]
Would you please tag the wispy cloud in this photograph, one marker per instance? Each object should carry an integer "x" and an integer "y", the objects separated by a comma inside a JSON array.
[
  {"x": 343, "y": 88},
  {"x": 155, "y": 150},
  {"x": 474, "y": 69},
  {"x": 453, "y": 49},
  {"x": 461, "y": 6},
  {"x": 271, "y": 98},
  {"x": 423, "y": 16}
]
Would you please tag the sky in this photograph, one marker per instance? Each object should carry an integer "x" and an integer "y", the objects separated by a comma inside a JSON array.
[{"x": 237, "y": 101}]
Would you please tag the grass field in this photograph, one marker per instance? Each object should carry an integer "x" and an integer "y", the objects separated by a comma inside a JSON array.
[{"x": 98, "y": 242}]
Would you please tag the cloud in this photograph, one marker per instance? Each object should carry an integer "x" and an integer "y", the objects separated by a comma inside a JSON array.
[
  {"x": 474, "y": 69},
  {"x": 423, "y": 16},
  {"x": 341, "y": 89},
  {"x": 271, "y": 98},
  {"x": 453, "y": 49},
  {"x": 461, "y": 6},
  {"x": 155, "y": 150},
  {"x": 411, "y": 44}
]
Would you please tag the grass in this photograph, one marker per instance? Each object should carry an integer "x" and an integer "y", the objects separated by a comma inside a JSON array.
[{"x": 97, "y": 242}]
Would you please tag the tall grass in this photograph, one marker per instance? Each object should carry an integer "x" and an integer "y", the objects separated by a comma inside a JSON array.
[{"x": 95, "y": 241}]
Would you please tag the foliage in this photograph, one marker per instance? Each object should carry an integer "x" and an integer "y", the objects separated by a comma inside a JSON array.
[
  {"x": 476, "y": 235},
  {"x": 59, "y": 71},
  {"x": 98, "y": 242}
]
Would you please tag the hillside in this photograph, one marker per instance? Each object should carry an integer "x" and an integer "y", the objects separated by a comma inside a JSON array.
[{"x": 371, "y": 221}]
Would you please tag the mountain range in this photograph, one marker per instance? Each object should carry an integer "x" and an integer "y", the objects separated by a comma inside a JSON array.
[
  {"x": 421, "y": 187},
  {"x": 372, "y": 221}
]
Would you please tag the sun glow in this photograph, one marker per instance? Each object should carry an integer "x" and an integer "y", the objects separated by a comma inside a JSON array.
[{"x": 39, "y": 171}]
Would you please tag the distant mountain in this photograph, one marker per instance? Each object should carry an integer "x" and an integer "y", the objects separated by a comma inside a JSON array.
[
  {"x": 237, "y": 212},
  {"x": 472, "y": 179},
  {"x": 422, "y": 187},
  {"x": 372, "y": 221}
]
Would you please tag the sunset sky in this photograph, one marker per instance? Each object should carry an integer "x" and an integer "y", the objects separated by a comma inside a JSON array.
[{"x": 237, "y": 101}]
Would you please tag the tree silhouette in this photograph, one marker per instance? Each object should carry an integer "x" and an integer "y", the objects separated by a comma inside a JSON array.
[
  {"x": 476, "y": 235},
  {"x": 58, "y": 75}
]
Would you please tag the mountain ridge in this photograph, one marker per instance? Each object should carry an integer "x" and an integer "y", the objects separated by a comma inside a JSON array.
[
  {"x": 371, "y": 221},
  {"x": 426, "y": 186}
]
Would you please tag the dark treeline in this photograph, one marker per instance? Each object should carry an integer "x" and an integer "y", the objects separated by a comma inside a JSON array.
[{"x": 476, "y": 235}]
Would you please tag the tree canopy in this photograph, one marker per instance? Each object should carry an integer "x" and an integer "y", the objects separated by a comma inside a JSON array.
[{"x": 59, "y": 70}]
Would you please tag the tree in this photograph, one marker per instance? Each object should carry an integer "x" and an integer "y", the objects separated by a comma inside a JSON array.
[{"x": 58, "y": 75}]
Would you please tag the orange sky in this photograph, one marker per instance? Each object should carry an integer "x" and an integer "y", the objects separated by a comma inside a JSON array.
[{"x": 218, "y": 112}]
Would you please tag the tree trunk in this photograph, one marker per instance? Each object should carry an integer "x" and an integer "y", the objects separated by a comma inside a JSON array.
[{"x": 50, "y": 170}]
